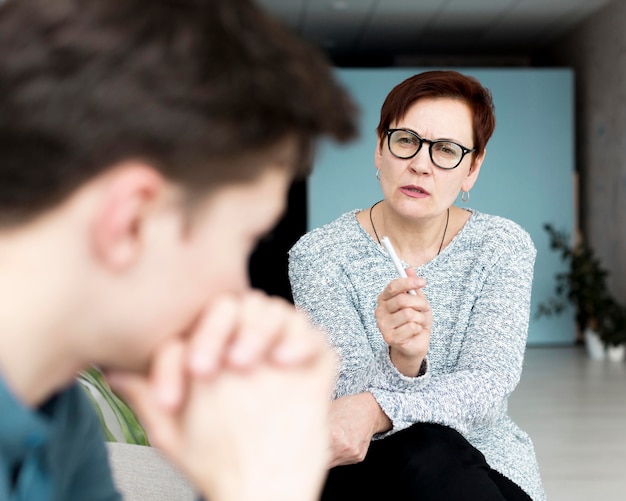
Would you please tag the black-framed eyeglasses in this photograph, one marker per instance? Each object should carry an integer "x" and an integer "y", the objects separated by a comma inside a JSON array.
[{"x": 404, "y": 143}]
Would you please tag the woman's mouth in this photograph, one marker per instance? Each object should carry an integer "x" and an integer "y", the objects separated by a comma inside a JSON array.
[{"x": 414, "y": 191}]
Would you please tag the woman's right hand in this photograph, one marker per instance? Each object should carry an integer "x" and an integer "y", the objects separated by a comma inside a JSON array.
[{"x": 405, "y": 321}]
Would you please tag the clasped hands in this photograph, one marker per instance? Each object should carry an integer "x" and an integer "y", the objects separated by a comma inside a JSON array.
[
  {"x": 244, "y": 399},
  {"x": 241, "y": 404}
]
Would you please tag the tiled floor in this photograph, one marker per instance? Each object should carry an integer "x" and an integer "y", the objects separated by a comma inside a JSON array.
[{"x": 574, "y": 409}]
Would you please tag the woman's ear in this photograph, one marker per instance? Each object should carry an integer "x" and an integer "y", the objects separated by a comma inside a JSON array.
[
  {"x": 128, "y": 197},
  {"x": 378, "y": 155},
  {"x": 474, "y": 170}
]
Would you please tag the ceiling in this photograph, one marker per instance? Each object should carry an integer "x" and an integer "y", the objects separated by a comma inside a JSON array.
[{"x": 422, "y": 28}]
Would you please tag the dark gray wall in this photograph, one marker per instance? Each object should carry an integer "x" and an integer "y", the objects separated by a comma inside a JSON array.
[{"x": 597, "y": 52}]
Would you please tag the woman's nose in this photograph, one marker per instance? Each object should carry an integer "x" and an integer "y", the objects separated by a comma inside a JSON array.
[{"x": 421, "y": 162}]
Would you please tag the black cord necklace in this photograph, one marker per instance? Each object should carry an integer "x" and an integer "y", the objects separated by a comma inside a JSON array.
[
  {"x": 372, "y": 221},
  {"x": 443, "y": 238}
]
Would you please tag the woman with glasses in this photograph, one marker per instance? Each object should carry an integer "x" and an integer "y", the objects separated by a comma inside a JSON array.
[{"x": 420, "y": 404}]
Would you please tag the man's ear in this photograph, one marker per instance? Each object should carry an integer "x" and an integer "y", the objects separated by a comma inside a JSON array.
[{"x": 128, "y": 194}]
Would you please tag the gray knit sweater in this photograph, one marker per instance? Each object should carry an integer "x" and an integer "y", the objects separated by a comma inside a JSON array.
[{"x": 479, "y": 290}]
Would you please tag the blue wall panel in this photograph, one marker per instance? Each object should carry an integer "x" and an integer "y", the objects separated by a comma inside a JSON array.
[{"x": 527, "y": 174}]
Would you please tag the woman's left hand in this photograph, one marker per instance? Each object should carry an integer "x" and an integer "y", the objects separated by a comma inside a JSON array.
[
  {"x": 354, "y": 419},
  {"x": 405, "y": 321}
]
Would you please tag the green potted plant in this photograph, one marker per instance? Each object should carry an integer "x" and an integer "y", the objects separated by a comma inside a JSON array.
[
  {"x": 599, "y": 317},
  {"x": 612, "y": 330}
]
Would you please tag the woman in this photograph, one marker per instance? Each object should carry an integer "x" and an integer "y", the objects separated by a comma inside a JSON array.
[{"x": 420, "y": 409}]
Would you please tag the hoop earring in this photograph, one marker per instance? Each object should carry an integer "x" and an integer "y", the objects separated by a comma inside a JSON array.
[
  {"x": 465, "y": 196},
  {"x": 378, "y": 174}
]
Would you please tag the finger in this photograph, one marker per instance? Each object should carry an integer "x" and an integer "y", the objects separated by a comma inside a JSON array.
[
  {"x": 402, "y": 286},
  {"x": 391, "y": 326},
  {"x": 417, "y": 302},
  {"x": 405, "y": 333},
  {"x": 135, "y": 390},
  {"x": 168, "y": 375},
  {"x": 410, "y": 271},
  {"x": 300, "y": 343},
  {"x": 388, "y": 322},
  {"x": 211, "y": 337},
  {"x": 261, "y": 325}
]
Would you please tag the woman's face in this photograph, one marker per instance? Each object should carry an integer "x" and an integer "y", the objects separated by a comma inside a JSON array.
[{"x": 416, "y": 187}]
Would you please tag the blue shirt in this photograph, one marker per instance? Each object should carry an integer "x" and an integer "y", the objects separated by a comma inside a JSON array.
[{"x": 55, "y": 452}]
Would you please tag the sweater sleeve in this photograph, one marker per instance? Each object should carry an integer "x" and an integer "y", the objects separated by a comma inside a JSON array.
[
  {"x": 490, "y": 358},
  {"x": 320, "y": 287}
]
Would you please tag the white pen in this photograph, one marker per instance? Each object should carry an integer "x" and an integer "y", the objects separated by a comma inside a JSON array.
[{"x": 394, "y": 258}]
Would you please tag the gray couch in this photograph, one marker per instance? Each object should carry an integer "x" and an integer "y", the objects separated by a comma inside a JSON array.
[{"x": 142, "y": 474}]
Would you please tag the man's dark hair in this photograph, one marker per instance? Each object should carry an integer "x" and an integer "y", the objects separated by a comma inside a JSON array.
[{"x": 191, "y": 86}]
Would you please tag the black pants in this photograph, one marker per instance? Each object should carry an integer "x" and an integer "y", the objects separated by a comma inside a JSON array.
[{"x": 426, "y": 462}]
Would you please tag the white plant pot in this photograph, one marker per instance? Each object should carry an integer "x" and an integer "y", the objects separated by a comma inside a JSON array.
[
  {"x": 616, "y": 353},
  {"x": 595, "y": 347}
]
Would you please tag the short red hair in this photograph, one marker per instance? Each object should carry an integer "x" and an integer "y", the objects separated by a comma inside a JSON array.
[{"x": 447, "y": 84}]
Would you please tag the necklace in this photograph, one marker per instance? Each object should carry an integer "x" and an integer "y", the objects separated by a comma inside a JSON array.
[{"x": 443, "y": 238}]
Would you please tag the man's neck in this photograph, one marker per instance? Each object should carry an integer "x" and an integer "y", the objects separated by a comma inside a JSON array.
[{"x": 36, "y": 352}]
